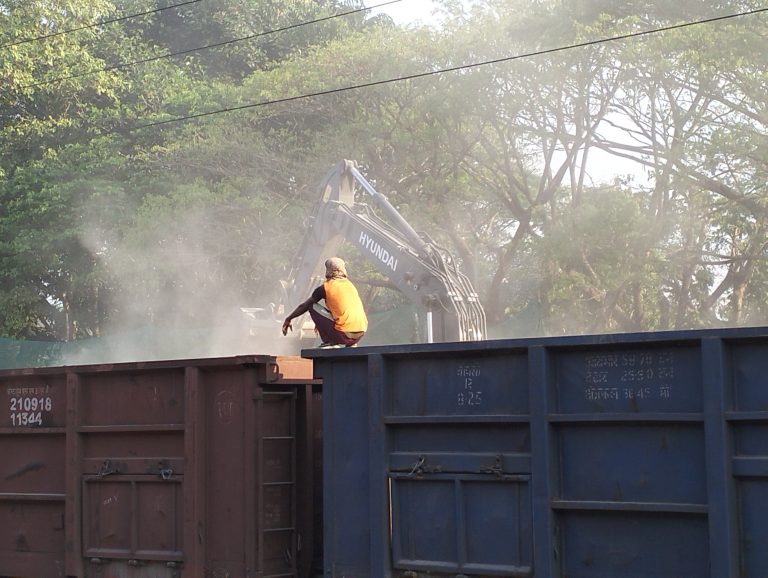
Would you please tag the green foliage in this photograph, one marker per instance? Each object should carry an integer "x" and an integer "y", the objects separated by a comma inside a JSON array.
[{"x": 112, "y": 221}]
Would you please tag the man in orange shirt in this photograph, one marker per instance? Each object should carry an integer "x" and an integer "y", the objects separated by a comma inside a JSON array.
[{"x": 342, "y": 322}]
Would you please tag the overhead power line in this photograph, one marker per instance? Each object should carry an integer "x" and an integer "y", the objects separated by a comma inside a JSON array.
[
  {"x": 453, "y": 68},
  {"x": 96, "y": 24},
  {"x": 206, "y": 47}
]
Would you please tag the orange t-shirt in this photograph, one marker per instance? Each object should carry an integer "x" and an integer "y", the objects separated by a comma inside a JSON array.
[{"x": 344, "y": 303}]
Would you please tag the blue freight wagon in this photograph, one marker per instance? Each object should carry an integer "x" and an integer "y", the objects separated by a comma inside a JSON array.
[{"x": 611, "y": 456}]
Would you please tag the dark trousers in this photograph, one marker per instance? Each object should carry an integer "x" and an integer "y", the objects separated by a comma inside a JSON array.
[{"x": 326, "y": 328}]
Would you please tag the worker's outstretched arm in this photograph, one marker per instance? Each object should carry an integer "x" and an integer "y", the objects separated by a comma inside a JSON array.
[{"x": 300, "y": 310}]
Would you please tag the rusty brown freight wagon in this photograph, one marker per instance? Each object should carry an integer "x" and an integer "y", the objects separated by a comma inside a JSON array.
[{"x": 166, "y": 469}]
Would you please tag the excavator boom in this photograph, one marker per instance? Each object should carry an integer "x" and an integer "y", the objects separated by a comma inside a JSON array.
[{"x": 423, "y": 271}]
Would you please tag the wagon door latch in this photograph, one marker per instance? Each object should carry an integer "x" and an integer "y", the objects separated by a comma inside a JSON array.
[
  {"x": 108, "y": 468},
  {"x": 164, "y": 470},
  {"x": 420, "y": 468},
  {"x": 497, "y": 469}
]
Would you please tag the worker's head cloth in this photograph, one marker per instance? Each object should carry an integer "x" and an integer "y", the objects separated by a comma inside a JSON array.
[{"x": 334, "y": 268}]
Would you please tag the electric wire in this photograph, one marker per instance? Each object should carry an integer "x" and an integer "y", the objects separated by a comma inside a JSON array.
[
  {"x": 451, "y": 69},
  {"x": 206, "y": 47},
  {"x": 96, "y": 24}
]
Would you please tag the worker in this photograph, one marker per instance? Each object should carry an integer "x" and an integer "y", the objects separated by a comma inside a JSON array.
[{"x": 342, "y": 321}]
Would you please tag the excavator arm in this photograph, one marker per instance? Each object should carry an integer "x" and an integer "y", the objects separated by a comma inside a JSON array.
[{"x": 413, "y": 263}]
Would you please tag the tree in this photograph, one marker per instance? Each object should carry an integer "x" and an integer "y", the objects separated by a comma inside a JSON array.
[{"x": 116, "y": 201}]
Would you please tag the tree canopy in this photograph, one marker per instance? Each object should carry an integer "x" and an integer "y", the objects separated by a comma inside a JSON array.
[{"x": 593, "y": 166}]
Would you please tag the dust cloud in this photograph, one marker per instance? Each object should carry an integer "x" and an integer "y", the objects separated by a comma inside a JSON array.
[{"x": 177, "y": 296}]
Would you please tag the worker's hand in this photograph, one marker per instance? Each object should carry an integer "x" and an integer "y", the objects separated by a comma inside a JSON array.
[{"x": 287, "y": 326}]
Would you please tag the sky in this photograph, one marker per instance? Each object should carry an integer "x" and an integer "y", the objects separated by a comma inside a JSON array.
[
  {"x": 406, "y": 11},
  {"x": 603, "y": 167}
]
